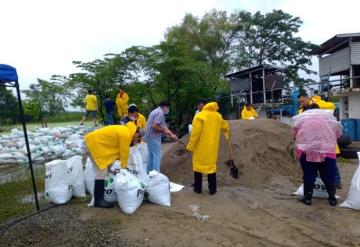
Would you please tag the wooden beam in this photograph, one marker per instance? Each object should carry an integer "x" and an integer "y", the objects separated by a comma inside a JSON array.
[
  {"x": 251, "y": 88},
  {"x": 264, "y": 87}
]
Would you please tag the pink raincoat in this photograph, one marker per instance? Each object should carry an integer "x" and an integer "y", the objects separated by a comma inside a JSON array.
[{"x": 316, "y": 132}]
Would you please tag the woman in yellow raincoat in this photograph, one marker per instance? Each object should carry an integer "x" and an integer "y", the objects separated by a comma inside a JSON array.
[
  {"x": 122, "y": 100},
  {"x": 104, "y": 146},
  {"x": 204, "y": 144}
]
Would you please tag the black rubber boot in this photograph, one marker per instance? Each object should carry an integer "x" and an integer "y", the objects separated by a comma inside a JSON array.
[
  {"x": 212, "y": 183},
  {"x": 197, "y": 182},
  {"x": 99, "y": 201},
  {"x": 308, "y": 192},
  {"x": 331, "y": 190}
]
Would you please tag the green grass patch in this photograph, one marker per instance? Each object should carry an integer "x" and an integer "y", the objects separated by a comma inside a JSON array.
[{"x": 17, "y": 197}]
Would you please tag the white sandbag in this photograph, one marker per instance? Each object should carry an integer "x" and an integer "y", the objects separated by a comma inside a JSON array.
[
  {"x": 319, "y": 190},
  {"x": 89, "y": 175},
  {"x": 135, "y": 165},
  {"x": 353, "y": 197},
  {"x": 158, "y": 189},
  {"x": 129, "y": 190},
  {"x": 144, "y": 151},
  {"x": 76, "y": 173},
  {"x": 58, "y": 188},
  {"x": 116, "y": 166}
]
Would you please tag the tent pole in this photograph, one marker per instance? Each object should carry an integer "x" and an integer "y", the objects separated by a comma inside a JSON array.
[{"x": 27, "y": 145}]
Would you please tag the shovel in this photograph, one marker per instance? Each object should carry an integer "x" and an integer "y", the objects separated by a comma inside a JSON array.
[{"x": 234, "y": 171}]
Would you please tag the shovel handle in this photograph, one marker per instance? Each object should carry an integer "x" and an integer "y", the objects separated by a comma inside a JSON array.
[{"x": 229, "y": 149}]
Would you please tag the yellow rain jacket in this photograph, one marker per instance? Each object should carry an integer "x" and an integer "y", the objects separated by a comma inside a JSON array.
[
  {"x": 205, "y": 137},
  {"x": 90, "y": 102},
  {"x": 141, "y": 121},
  {"x": 111, "y": 143},
  {"x": 122, "y": 104},
  {"x": 246, "y": 114}
]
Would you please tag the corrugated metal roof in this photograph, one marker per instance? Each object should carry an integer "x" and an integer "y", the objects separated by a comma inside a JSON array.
[
  {"x": 267, "y": 67},
  {"x": 335, "y": 41}
]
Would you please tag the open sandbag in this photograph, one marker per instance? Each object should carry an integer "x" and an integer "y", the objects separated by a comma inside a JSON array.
[
  {"x": 136, "y": 166},
  {"x": 353, "y": 198},
  {"x": 319, "y": 190},
  {"x": 76, "y": 174},
  {"x": 58, "y": 187}
]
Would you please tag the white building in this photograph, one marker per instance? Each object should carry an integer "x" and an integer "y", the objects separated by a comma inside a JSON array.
[{"x": 339, "y": 57}]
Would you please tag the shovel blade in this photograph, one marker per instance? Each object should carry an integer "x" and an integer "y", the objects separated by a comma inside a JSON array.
[{"x": 234, "y": 172}]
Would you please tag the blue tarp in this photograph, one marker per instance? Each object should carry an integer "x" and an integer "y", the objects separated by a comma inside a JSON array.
[{"x": 7, "y": 74}]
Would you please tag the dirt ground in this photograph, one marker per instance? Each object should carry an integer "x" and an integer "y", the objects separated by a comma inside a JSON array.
[{"x": 255, "y": 211}]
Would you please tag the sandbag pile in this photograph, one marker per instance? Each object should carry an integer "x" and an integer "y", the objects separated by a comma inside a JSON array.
[
  {"x": 130, "y": 186},
  {"x": 45, "y": 144}
]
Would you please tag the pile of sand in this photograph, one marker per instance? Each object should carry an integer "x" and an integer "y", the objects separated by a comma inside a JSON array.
[{"x": 261, "y": 149}]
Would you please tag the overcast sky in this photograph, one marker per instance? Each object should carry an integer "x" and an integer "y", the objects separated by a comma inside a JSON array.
[{"x": 42, "y": 37}]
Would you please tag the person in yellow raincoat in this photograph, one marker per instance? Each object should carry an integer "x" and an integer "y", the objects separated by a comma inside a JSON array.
[
  {"x": 248, "y": 112},
  {"x": 122, "y": 100},
  {"x": 304, "y": 102},
  {"x": 204, "y": 144},
  {"x": 140, "y": 119},
  {"x": 91, "y": 107},
  {"x": 104, "y": 146}
]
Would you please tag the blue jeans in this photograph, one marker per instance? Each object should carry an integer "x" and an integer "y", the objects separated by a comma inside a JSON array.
[
  {"x": 337, "y": 175},
  {"x": 327, "y": 170},
  {"x": 154, "y": 157},
  {"x": 109, "y": 118}
]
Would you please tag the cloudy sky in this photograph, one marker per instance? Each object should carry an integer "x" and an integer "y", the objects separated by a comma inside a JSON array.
[{"x": 42, "y": 37}]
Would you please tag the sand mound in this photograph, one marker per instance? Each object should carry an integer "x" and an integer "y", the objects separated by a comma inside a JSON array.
[{"x": 261, "y": 149}]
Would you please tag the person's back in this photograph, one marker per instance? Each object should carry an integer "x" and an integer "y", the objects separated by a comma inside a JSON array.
[
  {"x": 316, "y": 131},
  {"x": 109, "y": 105},
  {"x": 91, "y": 102}
]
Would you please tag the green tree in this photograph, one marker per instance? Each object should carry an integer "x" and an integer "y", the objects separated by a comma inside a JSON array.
[
  {"x": 46, "y": 97},
  {"x": 9, "y": 109},
  {"x": 271, "y": 39}
]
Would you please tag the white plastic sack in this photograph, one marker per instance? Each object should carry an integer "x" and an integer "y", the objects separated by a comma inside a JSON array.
[
  {"x": 58, "y": 188},
  {"x": 158, "y": 189},
  {"x": 319, "y": 190},
  {"x": 129, "y": 190},
  {"x": 89, "y": 175},
  {"x": 175, "y": 187},
  {"x": 76, "y": 173},
  {"x": 353, "y": 198},
  {"x": 144, "y": 152},
  {"x": 136, "y": 166}
]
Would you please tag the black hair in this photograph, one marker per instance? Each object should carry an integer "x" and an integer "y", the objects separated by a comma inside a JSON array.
[
  {"x": 133, "y": 109},
  {"x": 90, "y": 91},
  {"x": 248, "y": 104},
  {"x": 107, "y": 95},
  {"x": 311, "y": 106},
  {"x": 203, "y": 101},
  {"x": 164, "y": 104}
]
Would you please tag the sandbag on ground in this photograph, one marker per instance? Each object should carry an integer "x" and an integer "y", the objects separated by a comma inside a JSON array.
[
  {"x": 353, "y": 198},
  {"x": 158, "y": 189},
  {"x": 76, "y": 174},
  {"x": 129, "y": 190},
  {"x": 58, "y": 187}
]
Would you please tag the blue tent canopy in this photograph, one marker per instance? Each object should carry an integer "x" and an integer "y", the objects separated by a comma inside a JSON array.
[{"x": 7, "y": 74}]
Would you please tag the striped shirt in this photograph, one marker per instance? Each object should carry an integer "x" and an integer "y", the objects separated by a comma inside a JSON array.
[{"x": 155, "y": 117}]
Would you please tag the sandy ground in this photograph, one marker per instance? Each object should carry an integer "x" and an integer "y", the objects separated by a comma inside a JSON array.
[{"x": 242, "y": 213}]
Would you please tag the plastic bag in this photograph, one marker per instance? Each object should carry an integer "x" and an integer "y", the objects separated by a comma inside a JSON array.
[
  {"x": 136, "y": 166},
  {"x": 129, "y": 190},
  {"x": 89, "y": 176},
  {"x": 158, "y": 189},
  {"x": 319, "y": 190},
  {"x": 58, "y": 187},
  {"x": 76, "y": 173},
  {"x": 144, "y": 152},
  {"x": 353, "y": 198}
]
